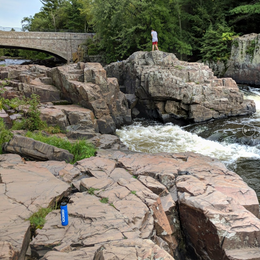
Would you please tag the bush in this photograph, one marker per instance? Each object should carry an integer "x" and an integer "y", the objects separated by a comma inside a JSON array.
[
  {"x": 37, "y": 219},
  {"x": 80, "y": 149},
  {"x": 5, "y": 134},
  {"x": 216, "y": 43},
  {"x": 33, "y": 121}
]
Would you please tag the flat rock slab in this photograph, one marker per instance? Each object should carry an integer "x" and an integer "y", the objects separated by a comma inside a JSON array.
[
  {"x": 218, "y": 211},
  {"x": 91, "y": 222},
  {"x": 244, "y": 254},
  {"x": 137, "y": 249},
  {"x": 24, "y": 189}
]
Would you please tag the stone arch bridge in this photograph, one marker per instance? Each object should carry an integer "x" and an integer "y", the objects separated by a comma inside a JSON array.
[{"x": 61, "y": 44}]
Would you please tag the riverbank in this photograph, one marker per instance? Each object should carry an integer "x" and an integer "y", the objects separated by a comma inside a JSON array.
[{"x": 119, "y": 200}]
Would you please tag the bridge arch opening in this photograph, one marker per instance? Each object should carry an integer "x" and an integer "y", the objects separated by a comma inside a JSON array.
[{"x": 57, "y": 58}]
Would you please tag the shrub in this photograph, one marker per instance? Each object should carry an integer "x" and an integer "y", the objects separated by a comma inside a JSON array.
[
  {"x": 33, "y": 121},
  {"x": 5, "y": 134},
  {"x": 37, "y": 219}
]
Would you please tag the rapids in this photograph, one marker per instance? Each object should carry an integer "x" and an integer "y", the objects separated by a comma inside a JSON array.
[{"x": 235, "y": 141}]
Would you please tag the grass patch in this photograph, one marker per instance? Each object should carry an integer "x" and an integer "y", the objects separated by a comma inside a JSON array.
[
  {"x": 104, "y": 200},
  {"x": 91, "y": 191},
  {"x": 80, "y": 149},
  {"x": 133, "y": 192},
  {"x": 37, "y": 219},
  {"x": 5, "y": 134}
]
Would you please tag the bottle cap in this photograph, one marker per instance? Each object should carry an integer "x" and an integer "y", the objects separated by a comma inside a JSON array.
[{"x": 63, "y": 203}]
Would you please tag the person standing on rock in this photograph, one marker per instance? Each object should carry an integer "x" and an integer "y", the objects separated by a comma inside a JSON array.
[{"x": 154, "y": 40}]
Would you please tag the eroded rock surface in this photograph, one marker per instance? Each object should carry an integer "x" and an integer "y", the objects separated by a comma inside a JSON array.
[
  {"x": 84, "y": 84},
  {"x": 243, "y": 64},
  {"x": 24, "y": 189},
  {"x": 127, "y": 197},
  {"x": 88, "y": 85},
  {"x": 170, "y": 89}
]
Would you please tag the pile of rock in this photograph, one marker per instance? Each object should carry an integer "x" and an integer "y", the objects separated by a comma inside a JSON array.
[
  {"x": 103, "y": 107},
  {"x": 167, "y": 89}
]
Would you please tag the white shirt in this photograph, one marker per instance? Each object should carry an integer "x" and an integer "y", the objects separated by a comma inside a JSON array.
[{"x": 154, "y": 36}]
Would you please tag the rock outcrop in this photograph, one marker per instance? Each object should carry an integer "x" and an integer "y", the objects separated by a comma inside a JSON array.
[
  {"x": 244, "y": 62},
  {"x": 87, "y": 85},
  {"x": 130, "y": 206},
  {"x": 103, "y": 106},
  {"x": 168, "y": 89}
]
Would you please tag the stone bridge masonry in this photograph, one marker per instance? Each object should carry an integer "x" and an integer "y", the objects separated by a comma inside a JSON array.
[{"x": 62, "y": 44}]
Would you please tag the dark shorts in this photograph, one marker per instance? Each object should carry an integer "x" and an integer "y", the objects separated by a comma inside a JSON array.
[{"x": 154, "y": 43}]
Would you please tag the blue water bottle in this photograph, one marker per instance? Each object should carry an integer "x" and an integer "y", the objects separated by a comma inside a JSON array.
[{"x": 64, "y": 214}]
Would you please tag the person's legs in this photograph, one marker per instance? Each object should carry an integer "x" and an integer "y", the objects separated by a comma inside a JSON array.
[
  {"x": 156, "y": 45},
  {"x": 152, "y": 47}
]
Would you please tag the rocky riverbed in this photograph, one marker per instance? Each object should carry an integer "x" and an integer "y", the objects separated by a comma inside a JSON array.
[{"x": 122, "y": 205}]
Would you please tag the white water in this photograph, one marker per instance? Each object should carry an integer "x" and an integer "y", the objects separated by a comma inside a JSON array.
[
  {"x": 12, "y": 62},
  {"x": 173, "y": 139}
]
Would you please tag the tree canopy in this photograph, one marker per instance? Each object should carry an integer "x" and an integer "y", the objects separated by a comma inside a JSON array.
[{"x": 190, "y": 29}]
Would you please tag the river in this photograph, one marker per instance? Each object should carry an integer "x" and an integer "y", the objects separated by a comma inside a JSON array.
[
  {"x": 8, "y": 62},
  {"x": 235, "y": 141}
]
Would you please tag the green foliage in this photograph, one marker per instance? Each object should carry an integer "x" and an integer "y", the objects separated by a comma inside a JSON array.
[
  {"x": 60, "y": 15},
  {"x": 104, "y": 200},
  {"x": 252, "y": 8},
  {"x": 5, "y": 134},
  {"x": 133, "y": 192},
  {"x": 80, "y": 149},
  {"x": 251, "y": 48},
  {"x": 112, "y": 205},
  {"x": 91, "y": 191},
  {"x": 124, "y": 26},
  {"x": 235, "y": 43},
  {"x": 93, "y": 46},
  {"x": 31, "y": 120},
  {"x": 216, "y": 43},
  {"x": 37, "y": 219},
  {"x": 32, "y": 114}
]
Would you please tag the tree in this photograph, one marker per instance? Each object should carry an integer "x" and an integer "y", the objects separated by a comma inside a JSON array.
[
  {"x": 51, "y": 9},
  {"x": 216, "y": 43},
  {"x": 124, "y": 26},
  {"x": 245, "y": 17}
]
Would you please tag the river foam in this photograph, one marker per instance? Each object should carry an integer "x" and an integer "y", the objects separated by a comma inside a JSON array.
[
  {"x": 173, "y": 139},
  {"x": 155, "y": 137}
]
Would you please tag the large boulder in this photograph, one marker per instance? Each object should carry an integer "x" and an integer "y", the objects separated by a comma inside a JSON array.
[
  {"x": 88, "y": 86},
  {"x": 32, "y": 149},
  {"x": 71, "y": 118},
  {"x": 168, "y": 89}
]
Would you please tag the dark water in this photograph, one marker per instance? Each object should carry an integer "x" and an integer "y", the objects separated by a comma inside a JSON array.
[{"x": 235, "y": 141}]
